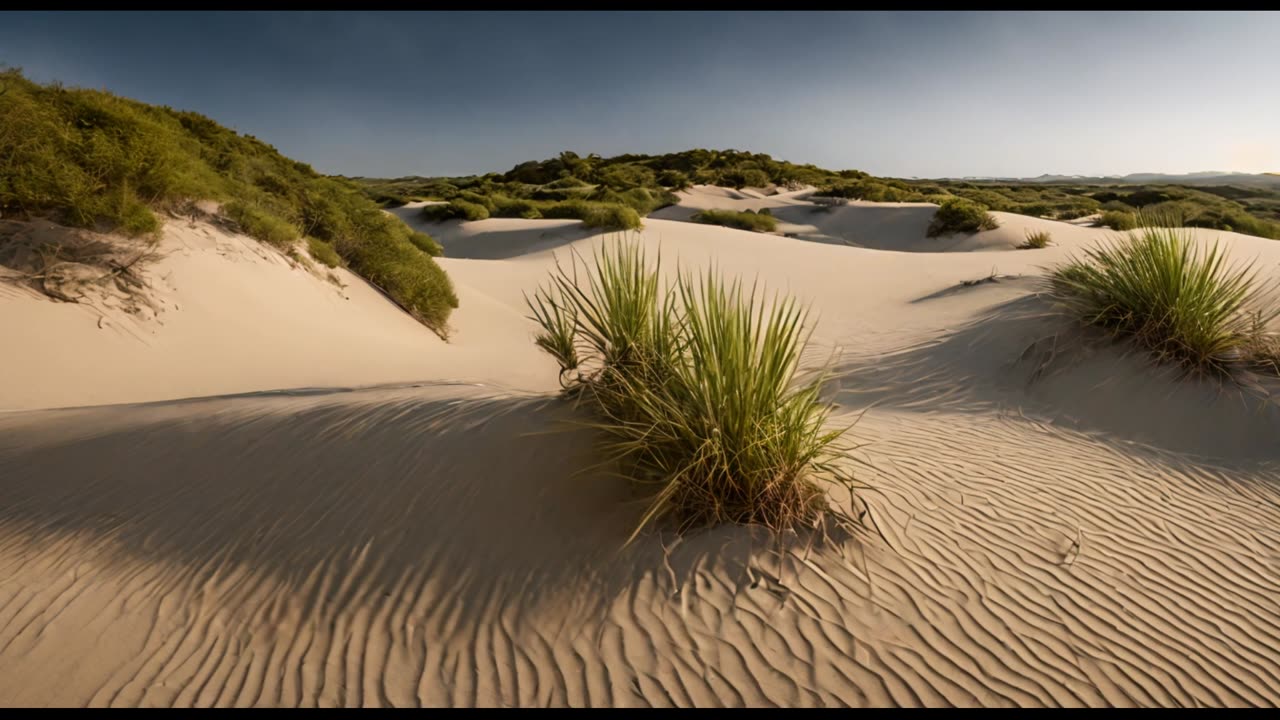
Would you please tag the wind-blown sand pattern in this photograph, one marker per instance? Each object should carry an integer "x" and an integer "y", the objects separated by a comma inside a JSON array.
[{"x": 1094, "y": 535}]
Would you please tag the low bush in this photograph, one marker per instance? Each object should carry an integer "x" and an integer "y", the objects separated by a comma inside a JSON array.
[
  {"x": 519, "y": 208},
  {"x": 1118, "y": 220},
  {"x": 604, "y": 216},
  {"x": 741, "y": 220},
  {"x": 958, "y": 215},
  {"x": 456, "y": 209}
]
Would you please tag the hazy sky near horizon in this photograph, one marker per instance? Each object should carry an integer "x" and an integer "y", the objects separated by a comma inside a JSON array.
[{"x": 918, "y": 94}]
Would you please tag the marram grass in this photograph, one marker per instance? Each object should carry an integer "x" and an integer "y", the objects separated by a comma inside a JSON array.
[
  {"x": 696, "y": 388},
  {"x": 1182, "y": 302}
]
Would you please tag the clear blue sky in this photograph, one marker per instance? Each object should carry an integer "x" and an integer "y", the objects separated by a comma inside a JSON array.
[{"x": 899, "y": 94}]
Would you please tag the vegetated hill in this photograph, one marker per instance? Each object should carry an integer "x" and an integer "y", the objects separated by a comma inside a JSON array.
[
  {"x": 571, "y": 176},
  {"x": 645, "y": 183},
  {"x": 605, "y": 193},
  {"x": 88, "y": 158}
]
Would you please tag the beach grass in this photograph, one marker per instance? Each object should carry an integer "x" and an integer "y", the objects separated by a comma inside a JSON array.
[{"x": 696, "y": 387}]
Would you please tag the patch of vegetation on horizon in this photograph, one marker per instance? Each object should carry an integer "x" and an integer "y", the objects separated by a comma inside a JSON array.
[{"x": 1252, "y": 209}]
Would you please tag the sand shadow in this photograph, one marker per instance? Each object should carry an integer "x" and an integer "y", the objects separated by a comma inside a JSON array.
[
  {"x": 1023, "y": 358},
  {"x": 353, "y": 497}
]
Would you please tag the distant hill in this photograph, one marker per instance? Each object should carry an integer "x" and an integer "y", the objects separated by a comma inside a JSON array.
[{"x": 1212, "y": 177}]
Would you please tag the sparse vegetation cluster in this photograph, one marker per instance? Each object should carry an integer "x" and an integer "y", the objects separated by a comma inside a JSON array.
[
  {"x": 90, "y": 159},
  {"x": 1183, "y": 303},
  {"x": 1036, "y": 240},
  {"x": 957, "y": 215},
  {"x": 645, "y": 183},
  {"x": 696, "y": 389},
  {"x": 746, "y": 220}
]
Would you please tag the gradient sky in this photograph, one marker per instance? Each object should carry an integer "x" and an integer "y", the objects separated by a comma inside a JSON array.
[{"x": 899, "y": 94}]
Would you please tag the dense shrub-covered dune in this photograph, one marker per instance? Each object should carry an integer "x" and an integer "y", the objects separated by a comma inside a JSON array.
[{"x": 91, "y": 159}]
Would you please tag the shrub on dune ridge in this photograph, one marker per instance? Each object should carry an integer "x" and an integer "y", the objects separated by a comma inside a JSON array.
[
  {"x": 958, "y": 215},
  {"x": 757, "y": 222},
  {"x": 1180, "y": 302},
  {"x": 694, "y": 388},
  {"x": 605, "y": 216},
  {"x": 456, "y": 209}
]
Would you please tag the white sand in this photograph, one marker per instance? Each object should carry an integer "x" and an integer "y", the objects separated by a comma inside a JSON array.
[{"x": 1102, "y": 536}]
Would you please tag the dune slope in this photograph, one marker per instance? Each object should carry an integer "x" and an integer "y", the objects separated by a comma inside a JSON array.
[{"x": 1093, "y": 535}]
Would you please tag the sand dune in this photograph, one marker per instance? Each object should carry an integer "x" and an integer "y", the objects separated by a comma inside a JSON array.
[{"x": 1094, "y": 535}]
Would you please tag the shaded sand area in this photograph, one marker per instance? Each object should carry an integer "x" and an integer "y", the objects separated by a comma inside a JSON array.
[{"x": 1052, "y": 521}]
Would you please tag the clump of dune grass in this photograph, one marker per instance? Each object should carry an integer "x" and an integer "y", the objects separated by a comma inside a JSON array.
[
  {"x": 1178, "y": 300},
  {"x": 756, "y": 222},
  {"x": 696, "y": 388},
  {"x": 1035, "y": 240}
]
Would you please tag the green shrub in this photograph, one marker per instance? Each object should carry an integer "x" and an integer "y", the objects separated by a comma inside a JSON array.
[
  {"x": 958, "y": 215},
  {"x": 750, "y": 177},
  {"x": 1035, "y": 240},
  {"x": 695, "y": 391},
  {"x": 642, "y": 200},
  {"x": 568, "y": 181},
  {"x": 258, "y": 223},
  {"x": 484, "y": 200},
  {"x": 741, "y": 220},
  {"x": 1071, "y": 212},
  {"x": 426, "y": 243},
  {"x": 323, "y": 252},
  {"x": 91, "y": 159},
  {"x": 1117, "y": 206},
  {"x": 456, "y": 209},
  {"x": 1182, "y": 303},
  {"x": 674, "y": 180},
  {"x": 1038, "y": 210},
  {"x": 561, "y": 194},
  {"x": 508, "y": 207},
  {"x": 1118, "y": 220},
  {"x": 595, "y": 215}
]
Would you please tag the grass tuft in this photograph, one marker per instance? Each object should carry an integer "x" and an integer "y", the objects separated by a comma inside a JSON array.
[
  {"x": 1180, "y": 301},
  {"x": 1035, "y": 240},
  {"x": 695, "y": 387}
]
